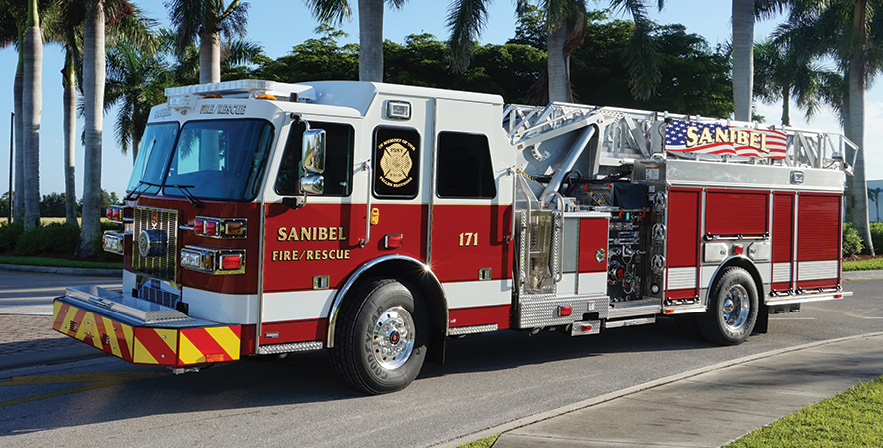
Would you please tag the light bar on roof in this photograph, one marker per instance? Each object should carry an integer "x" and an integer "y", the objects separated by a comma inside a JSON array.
[
  {"x": 249, "y": 86},
  {"x": 185, "y": 97}
]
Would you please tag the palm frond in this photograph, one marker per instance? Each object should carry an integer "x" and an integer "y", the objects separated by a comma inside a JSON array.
[
  {"x": 466, "y": 19},
  {"x": 330, "y": 11}
]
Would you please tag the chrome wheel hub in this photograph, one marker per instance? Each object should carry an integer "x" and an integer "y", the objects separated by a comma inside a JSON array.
[
  {"x": 393, "y": 337},
  {"x": 736, "y": 307}
]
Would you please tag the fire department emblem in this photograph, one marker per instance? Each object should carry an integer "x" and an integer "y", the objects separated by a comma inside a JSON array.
[{"x": 396, "y": 162}]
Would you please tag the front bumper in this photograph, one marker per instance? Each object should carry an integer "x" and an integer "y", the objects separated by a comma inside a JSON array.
[{"x": 143, "y": 332}]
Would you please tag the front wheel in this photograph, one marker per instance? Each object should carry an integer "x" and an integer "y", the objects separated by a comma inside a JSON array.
[
  {"x": 732, "y": 308},
  {"x": 380, "y": 341}
]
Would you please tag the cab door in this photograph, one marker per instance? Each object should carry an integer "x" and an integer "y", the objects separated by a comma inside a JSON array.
[{"x": 470, "y": 249}]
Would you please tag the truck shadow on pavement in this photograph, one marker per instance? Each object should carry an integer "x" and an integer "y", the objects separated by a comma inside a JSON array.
[{"x": 306, "y": 383}]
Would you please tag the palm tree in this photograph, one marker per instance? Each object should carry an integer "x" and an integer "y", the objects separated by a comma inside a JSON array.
[
  {"x": 566, "y": 28},
  {"x": 780, "y": 76},
  {"x": 135, "y": 82},
  {"x": 845, "y": 30},
  {"x": 208, "y": 20},
  {"x": 32, "y": 104},
  {"x": 370, "y": 30},
  {"x": 745, "y": 12},
  {"x": 743, "y": 58},
  {"x": 93, "y": 90},
  {"x": 11, "y": 33},
  {"x": 19, "y": 198}
]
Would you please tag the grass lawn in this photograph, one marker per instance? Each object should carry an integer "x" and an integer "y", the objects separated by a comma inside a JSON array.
[
  {"x": 863, "y": 265},
  {"x": 852, "y": 418},
  {"x": 483, "y": 443},
  {"x": 59, "y": 262}
]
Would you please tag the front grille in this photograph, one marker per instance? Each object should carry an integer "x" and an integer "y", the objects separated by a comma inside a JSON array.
[
  {"x": 158, "y": 262},
  {"x": 159, "y": 296}
]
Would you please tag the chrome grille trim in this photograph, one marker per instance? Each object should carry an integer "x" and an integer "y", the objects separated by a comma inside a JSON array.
[
  {"x": 158, "y": 296},
  {"x": 163, "y": 266}
]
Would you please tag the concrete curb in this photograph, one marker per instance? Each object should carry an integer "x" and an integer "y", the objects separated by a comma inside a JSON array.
[
  {"x": 515, "y": 424},
  {"x": 863, "y": 275},
  {"x": 64, "y": 271}
]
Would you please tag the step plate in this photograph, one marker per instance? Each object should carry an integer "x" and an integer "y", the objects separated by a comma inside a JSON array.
[{"x": 543, "y": 311}]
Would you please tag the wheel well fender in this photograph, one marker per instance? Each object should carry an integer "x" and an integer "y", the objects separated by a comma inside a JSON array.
[
  {"x": 744, "y": 263},
  {"x": 400, "y": 267}
]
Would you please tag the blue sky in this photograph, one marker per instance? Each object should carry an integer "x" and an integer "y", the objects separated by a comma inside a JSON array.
[{"x": 278, "y": 25}]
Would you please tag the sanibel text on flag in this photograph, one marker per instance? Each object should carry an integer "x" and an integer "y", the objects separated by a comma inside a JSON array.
[{"x": 713, "y": 138}]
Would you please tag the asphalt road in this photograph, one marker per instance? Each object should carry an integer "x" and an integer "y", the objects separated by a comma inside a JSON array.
[
  {"x": 29, "y": 293},
  {"x": 297, "y": 401}
]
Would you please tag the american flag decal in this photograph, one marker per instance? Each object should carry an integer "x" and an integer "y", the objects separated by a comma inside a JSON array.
[{"x": 713, "y": 138}]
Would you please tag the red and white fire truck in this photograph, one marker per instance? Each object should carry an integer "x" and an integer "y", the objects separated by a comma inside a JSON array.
[{"x": 378, "y": 220}]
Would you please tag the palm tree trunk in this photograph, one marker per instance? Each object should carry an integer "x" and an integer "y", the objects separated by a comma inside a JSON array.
[
  {"x": 68, "y": 82},
  {"x": 371, "y": 40},
  {"x": 856, "y": 185},
  {"x": 137, "y": 134},
  {"x": 31, "y": 109},
  {"x": 559, "y": 78},
  {"x": 93, "y": 85},
  {"x": 743, "y": 58},
  {"x": 786, "y": 106},
  {"x": 19, "y": 196},
  {"x": 209, "y": 57}
]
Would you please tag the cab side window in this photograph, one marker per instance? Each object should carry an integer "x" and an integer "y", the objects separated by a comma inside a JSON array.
[
  {"x": 396, "y": 159},
  {"x": 464, "y": 167},
  {"x": 339, "y": 140}
]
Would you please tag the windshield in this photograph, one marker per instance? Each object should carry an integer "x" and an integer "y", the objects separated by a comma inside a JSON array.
[
  {"x": 221, "y": 159},
  {"x": 150, "y": 164}
]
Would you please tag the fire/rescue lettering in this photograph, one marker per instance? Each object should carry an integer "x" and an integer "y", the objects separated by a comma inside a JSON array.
[
  {"x": 313, "y": 255},
  {"x": 222, "y": 109},
  {"x": 310, "y": 234}
]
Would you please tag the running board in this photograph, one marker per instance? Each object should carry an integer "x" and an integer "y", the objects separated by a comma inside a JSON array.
[
  {"x": 276, "y": 349},
  {"x": 472, "y": 329},
  {"x": 806, "y": 298},
  {"x": 629, "y": 322},
  {"x": 634, "y": 308}
]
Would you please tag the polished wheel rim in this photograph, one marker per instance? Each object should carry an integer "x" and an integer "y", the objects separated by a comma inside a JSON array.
[
  {"x": 393, "y": 337},
  {"x": 736, "y": 307}
]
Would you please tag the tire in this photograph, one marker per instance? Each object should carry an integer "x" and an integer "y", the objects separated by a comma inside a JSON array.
[
  {"x": 732, "y": 308},
  {"x": 381, "y": 337}
]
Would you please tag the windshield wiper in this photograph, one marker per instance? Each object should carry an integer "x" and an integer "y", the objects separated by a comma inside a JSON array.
[
  {"x": 187, "y": 194},
  {"x": 137, "y": 193}
]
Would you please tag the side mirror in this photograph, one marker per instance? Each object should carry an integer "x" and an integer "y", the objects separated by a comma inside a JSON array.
[{"x": 313, "y": 156}]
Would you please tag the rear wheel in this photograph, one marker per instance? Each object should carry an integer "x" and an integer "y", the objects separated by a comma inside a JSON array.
[
  {"x": 732, "y": 308},
  {"x": 380, "y": 340}
]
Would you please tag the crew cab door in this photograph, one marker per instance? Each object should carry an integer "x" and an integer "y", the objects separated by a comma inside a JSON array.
[{"x": 470, "y": 248}]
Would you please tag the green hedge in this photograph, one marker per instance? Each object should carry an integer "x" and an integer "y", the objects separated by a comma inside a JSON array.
[
  {"x": 877, "y": 236},
  {"x": 852, "y": 242},
  {"x": 9, "y": 235},
  {"x": 55, "y": 238}
]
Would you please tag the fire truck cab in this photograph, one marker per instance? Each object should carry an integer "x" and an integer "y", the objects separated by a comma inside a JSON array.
[{"x": 377, "y": 220}]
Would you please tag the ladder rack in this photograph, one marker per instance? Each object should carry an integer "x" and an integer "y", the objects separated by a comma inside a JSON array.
[{"x": 627, "y": 135}]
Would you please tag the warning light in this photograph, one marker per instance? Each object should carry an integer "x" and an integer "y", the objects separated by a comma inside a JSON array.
[
  {"x": 565, "y": 310},
  {"x": 211, "y": 228},
  {"x": 738, "y": 249},
  {"x": 231, "y": 262},
  {"x": 394, "y": 241}
]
